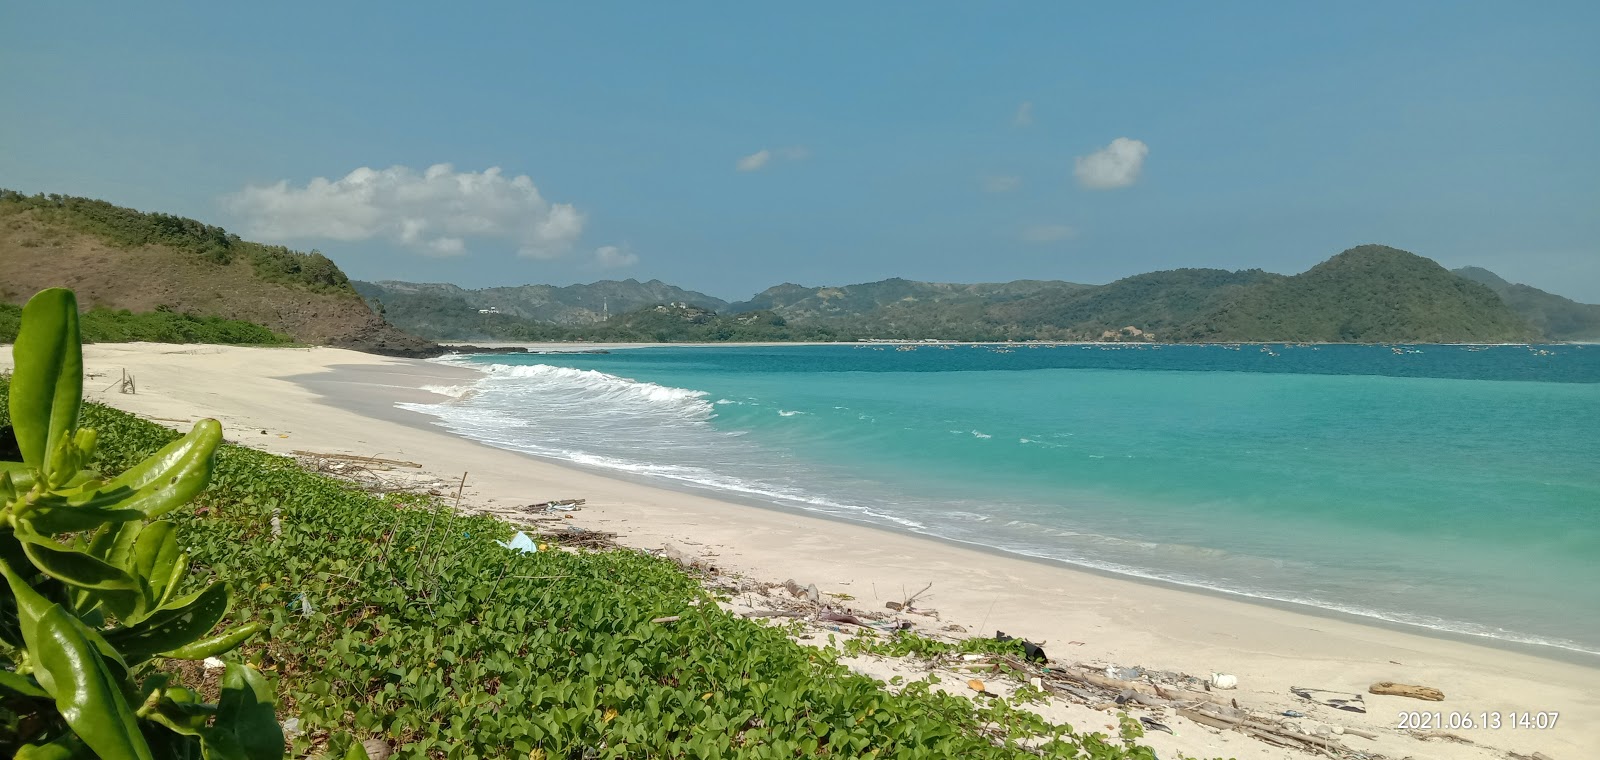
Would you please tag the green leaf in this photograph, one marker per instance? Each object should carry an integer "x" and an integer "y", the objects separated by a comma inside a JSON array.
[
  {"x": 246, "y": 711},
  {"x": 154, "y": 554},
  {"x": 47, "y": 384},
  {"x": 219, "y": 644},
  {"x": 65, "y": 747},
  {"x": 174, "y": 626},
  {"x": 180, "y": 711},
  {"x": 170, "y": 478},
  {"x": 75, "y": 568},
  {"x": 20, "y": 685},
  {"x": 87, "y": 694},
  {"x": 357, "y": 751},
  {"x": 54, "y": 515}
]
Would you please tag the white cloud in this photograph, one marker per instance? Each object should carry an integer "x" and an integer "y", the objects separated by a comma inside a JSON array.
[
  {"x": 434, "y": 211},
  {"x": 613, "y": 257},
  {"x": 1001, "y": 183},
  {"x": 1048, "y": 233},
  {"x": 1024, "y": 117},
  {"x": 754, "y": 161},
  {"x": 758, "y": 160},
  {"x": 1116, "y": 165}
]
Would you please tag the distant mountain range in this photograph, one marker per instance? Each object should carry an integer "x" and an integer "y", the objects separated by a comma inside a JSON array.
[
  {"x": 1556, "y": 317},
  {"x": 119, "y": 258},
  {"x": 1369, "y": 294}
]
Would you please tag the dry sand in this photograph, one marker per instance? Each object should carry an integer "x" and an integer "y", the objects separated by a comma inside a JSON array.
[{"x": 330, "y": 400}]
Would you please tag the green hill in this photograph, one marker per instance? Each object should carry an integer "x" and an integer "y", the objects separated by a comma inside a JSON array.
[
  {"x": 569, "y": 305},
  {"x": 1157, "y": 304},
  {"x": 1368, "y": 294},
  {"x": 854, "y": 302},
  {"x": 121, "y": 259},
  {"x": 1558, "y": 318}
]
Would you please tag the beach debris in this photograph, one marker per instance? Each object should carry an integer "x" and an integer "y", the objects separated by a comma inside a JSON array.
[
  {"x": 377, "y": 749},
  {"x": 126, "y": 384},
  {"x": 977, "y": 686},
  {"x": 212, "y": 663},
  {"x": 1032, "y": 651},
  {"x": 575, "y": 537},
  {"x": 909, "y": 604},
  {"x": 1223, "y": 681},
  {"x": 813, "y": 595},
  {"x": 684, "y": 559},
  {"x": 840, "y": 617},
  {"x": 354, "y": 458},
  {"x": 1338, "y": 700},
  {"x": 520, "y": 543},
  {"x": 1293, "y": 714},
  {"x": 1390, "y": 688},
  {"x": 667, "y": 619},
  {"x": 773, "y": 613},
  {"x": 557, "y": 505},
  {"x": 1155, "y": 725},
  {"x": 896, "y": 606}
]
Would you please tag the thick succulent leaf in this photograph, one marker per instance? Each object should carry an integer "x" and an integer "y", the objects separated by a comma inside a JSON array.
[
  {"x": 220, "y": 744},
  {"x": 222, "y": 643},
  {"x": 168, "y": 479},
  {"x": 246, "y": 711},
  {"x": 87, "y": 694},
  {"x": 54, "y": 515},
  {"x": 18, "y": 685},
  {"x": 47, "y": 382},
  {"x": 164, "y": 590},
  {"x": 20, "y": 473},
  {"x": 65, "y": 747},
  {"x": 181, "y": 712},
  {"x": 154, "y": 554},
  {"x": 75, "y": 568},
  {"x": 118, "y": 547},
  {"x": 178, "y": 625}
]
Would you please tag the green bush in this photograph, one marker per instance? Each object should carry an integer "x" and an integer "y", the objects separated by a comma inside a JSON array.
[
  {"x": 96, "y": 587},
  {"x": 123, "y": 326}
]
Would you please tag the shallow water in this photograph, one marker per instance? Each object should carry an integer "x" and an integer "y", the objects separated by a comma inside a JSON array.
[{"x": 1451, "y": 487}]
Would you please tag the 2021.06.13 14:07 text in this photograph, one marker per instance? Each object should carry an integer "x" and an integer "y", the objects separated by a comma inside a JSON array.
[{"x": 1417, "y": 720}]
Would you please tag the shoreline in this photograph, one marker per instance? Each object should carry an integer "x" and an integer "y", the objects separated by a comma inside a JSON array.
[
  {"x": 338, "y": 401},
  {"x": 1555, "y": 652}
]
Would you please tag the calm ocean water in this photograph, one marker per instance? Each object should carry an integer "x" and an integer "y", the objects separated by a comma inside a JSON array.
[{"x": 1456, "y": 488}]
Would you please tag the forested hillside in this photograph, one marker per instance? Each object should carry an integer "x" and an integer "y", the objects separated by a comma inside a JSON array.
[
  {"x": 122, "y": 259},
  {"x": 1558, "y": 318},
  {"x": 1366, "y": 294}
]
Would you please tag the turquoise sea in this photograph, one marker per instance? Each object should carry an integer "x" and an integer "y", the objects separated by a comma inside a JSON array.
[{"x": 1451, "y": 487}]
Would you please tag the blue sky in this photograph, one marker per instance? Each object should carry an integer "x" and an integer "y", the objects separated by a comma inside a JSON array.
[{"x": 935, "y": 141}]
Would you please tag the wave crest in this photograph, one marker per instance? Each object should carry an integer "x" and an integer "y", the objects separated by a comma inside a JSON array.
[{"x": 551, "y": 383}]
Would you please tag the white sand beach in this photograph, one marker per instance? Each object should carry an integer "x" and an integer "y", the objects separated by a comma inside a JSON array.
[{"x": 329, "y": 400}]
